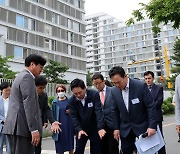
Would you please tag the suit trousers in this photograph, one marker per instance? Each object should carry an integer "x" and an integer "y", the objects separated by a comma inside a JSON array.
[
  {"x": 20, "y": 144},
  {"x": 3, "y": 138},
  {"x": 109, "y": 145},
  {"x": 128, "y": 143},
  {"x": 95, "y": 143},
  {"x": 163, "y": 149}
]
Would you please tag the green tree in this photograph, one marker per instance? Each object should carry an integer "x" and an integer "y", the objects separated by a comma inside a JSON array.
[
  {"x": 54, "y": 72},
  {"x": 160, "y": 11},
  {"x": 176, "y": 58},
  {"x": 89, "y": 79},
  {"x": 5, "y": 71}
]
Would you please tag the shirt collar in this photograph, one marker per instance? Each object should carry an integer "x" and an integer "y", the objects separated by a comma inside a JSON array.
[
  {"x": 7, "y": 99},
  {"x": 127, "y": 86},
  {"x": 104, "y": 89},
  {"x": 30, "y": 72}
]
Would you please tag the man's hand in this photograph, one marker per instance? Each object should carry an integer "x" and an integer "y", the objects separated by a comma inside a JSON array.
[
  {"x": 116, "y": 134},
  {"x": 68, "y": 111},
  {"x": 151, "y": 132},
  {"x": 178, "y": 129},
  {"x": 81, "y": 132},
  {"x": 55, "y": 127},
  {"x": 45, "y": 125},
  {"x": 35, "y": 138},
  {"x": 101, "y": 133}
]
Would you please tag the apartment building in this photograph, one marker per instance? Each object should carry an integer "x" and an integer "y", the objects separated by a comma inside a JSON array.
[
  {"x": 54, "y": 29},
  {"x": 111, "y": 42}
]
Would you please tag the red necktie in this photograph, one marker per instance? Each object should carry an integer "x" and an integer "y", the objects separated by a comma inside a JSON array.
[{"x": 102, "y": 97}]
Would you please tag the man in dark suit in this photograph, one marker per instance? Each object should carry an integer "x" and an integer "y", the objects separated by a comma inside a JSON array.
[
  {"x": 23, "y": 122},
  {"x": 157, "y": 93},
  {"x": 133, "y": 109},
  {"x": 87, "y": 117},
  {"x": 109, "y": 144},
  {"x": 46, "y": 113}
]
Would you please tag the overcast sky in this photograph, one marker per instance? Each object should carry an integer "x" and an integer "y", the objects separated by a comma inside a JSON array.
[{"x": 120, "y": 9}]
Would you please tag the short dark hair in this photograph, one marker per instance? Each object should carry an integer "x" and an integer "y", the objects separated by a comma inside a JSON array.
[
  {"x": 4, "y": 85},
  {"x": 40, "y": 80},
  {"x": 77, "y": 83},
  {"x": 60, "y": 85},
  {"x": 117, "y": 70},
  {"x": 149, "y": 72},
  {"x": 37, "y": 59},
  {"x": 98, "y": 76}
]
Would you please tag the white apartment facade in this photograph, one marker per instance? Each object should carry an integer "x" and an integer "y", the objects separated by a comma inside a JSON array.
[
  {"x": 110, "y": 42},
  {"x": 54, "y": 29}
]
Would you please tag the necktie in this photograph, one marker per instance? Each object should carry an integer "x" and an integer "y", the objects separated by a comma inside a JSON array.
[{"x": 102, "y": 97}]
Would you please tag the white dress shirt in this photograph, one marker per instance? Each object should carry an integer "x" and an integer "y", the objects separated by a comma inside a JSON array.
[
  {"x": 6, "y": 105},
  {"x": 125, "y": 94}
]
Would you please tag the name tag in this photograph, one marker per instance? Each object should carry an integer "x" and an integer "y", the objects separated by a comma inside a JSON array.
[
  {"x": 135, "y": 101},
  {"x": 90, "y": 104}
]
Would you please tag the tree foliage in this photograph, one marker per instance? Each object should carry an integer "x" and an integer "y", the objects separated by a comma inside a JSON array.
[
  {"x": 89, "y": 79},
  {"x": 176, "y": 58},
  {"x": 5, "y": 71},
  {"x": 160, "y": 11},
  {"x": 54, "y": 72}
]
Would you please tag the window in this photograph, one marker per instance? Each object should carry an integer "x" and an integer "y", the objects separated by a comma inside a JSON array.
[
  {"x": 33, "y": 24},
  {"x": 171, "y": 32},
  {"x": 130, "y": 70},
  {"x": 139, "y": 44},
  {"x": 19, "y": 21},
  {"x": 77, "y": 3},
  {"x": 2, "y": 2},
  {"x": 76, "y": 26},
  {"x": 18, "y": 52}
]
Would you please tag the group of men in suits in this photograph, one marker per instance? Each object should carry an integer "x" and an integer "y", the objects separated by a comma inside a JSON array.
[{"x": 125, "y": 111}]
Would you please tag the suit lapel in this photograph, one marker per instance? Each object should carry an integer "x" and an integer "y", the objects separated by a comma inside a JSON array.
[
  {"x": 107, "y": 94},
  {"x": 131, "y": 93},
  {"x": 121, "y": 101}
]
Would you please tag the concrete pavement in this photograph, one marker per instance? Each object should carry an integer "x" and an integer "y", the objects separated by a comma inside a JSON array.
[{"x": 170, "y": 135}]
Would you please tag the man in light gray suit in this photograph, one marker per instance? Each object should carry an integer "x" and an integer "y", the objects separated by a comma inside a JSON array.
[
  {"x": 23, "y": 122},
  {"x": 177, "y": 102}
]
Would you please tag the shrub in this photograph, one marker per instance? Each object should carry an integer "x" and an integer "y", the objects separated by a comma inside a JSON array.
[
  {"x": 50, "y": 99},
  {"x": 167, "y": 106}
]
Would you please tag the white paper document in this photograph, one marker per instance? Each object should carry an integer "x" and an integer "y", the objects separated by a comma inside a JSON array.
[{"x": 150, "y": 145}]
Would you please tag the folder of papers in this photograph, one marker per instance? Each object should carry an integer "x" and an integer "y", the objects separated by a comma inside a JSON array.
[{"x": 150, "y": 145}]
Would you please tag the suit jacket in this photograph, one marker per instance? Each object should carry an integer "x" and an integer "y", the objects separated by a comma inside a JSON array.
[
  {"x": 24, "y": 114},
  {"x": 89, "y": 117},
  {"x": 141, "y": 113},
  {"x": 157, "y": 93},
  {"x": 2, "y": 117},
  {"x": 177, "y": 100},
  {"x": 45, "y": 109},
  {"x": 107, "y": 108}
]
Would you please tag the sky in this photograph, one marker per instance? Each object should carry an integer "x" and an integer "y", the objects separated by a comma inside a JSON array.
[{"x": 120, "y": 9}]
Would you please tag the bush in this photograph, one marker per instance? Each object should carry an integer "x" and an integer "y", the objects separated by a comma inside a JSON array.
[
  {"x": 167, "y": 106},
  {"x": 50, "y": 99}
]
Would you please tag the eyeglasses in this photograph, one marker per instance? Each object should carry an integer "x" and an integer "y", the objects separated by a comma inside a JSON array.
[
  {"x": 58, "y": 91},
  {"x": 97, "y": 84}
]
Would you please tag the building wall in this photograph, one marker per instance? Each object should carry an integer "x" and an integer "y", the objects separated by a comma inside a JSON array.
[
  {"x": 118, "y": 44},
  {"x": 55, "y": 29}
]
